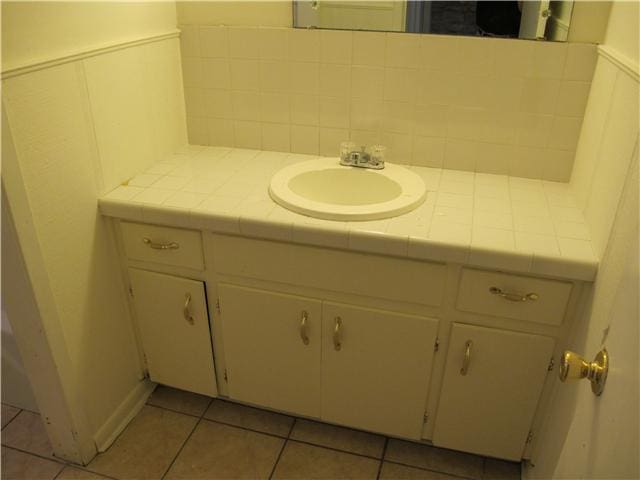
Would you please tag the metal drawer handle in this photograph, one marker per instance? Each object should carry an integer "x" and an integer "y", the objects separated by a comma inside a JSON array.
[
  {"x": 186, "y": 311},
  {"x": 467, "y": 358},
  {"x": 514, "y": 297},
  {"x": 337, "y": 341},
  {"x": 303, "y": 328},
  {"x": 161, "y": 246}
]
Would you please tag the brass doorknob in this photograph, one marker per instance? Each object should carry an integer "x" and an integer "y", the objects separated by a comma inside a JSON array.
[{"x": 574, "y": 367}]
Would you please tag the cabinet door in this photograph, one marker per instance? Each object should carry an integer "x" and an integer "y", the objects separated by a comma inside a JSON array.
[
  {"x": 488, "y": 408},
  {"x": 378, "y": 377},
  {"x": 268, "y": 362},
  {"x": 174, "y": 329}
]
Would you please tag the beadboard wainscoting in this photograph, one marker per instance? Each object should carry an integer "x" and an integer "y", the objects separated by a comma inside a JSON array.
[{"x": 479, "y": 104}]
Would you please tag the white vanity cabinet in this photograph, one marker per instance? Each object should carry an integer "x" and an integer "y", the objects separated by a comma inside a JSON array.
[
  {"x": 376, "y": 368},
  {"x": 420, "y": 350},
  {"x": 272, "y": 348},
  {"x": 492, "y": 384},
  {"x": 174, "y": 328},
  {"x": 341, "y": 363}
]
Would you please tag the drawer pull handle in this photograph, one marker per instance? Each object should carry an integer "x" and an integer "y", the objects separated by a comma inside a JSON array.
[
  {"x": 161, "y": 246},
  {"x": 467, "y": 358},
  {"x": 303, "y": 328},
  {"x": 337, "y": 341},
  {"x": 514, "y": 297},
  {"x": 186, "y": 311}
]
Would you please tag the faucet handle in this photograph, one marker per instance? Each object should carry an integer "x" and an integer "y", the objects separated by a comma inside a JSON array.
[{"x": 378, "y": 153}]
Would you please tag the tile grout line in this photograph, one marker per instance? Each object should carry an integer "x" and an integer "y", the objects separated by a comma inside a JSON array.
[
  {"x": 288, "y": 437},
  {"x": 13, "y": 418},
  {"x": 384, "y": 453},
  {"x": 186, "y": 439},
  {"x": 286, "y": 441}
]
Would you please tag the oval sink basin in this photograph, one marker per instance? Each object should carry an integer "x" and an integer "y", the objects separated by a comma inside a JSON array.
[{"x": 325, "y": 189}]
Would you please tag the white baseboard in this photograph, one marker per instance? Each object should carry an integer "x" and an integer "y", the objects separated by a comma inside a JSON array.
[{"x": 121, "y": 417}]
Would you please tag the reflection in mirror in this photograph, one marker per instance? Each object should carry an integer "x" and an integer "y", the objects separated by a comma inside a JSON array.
[{"x": 531, "y": 19}]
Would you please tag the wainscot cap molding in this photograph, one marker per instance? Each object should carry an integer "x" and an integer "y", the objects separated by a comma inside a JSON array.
[{"x": 32, "y": 66}]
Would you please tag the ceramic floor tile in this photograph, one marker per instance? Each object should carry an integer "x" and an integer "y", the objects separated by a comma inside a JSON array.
[
  {"x": 72, "y": 473},
  {"x": 248, "y": 417},
  {"x": 8, "y": 414},
  {"x": 147, "y": 446},
  {"x": 500, "y": 470},
  {"x": 22, "y": 466},
  {"x": 26, "y": 432},
  {"x": 432, "y": 458},
  {"x": 179, "y": 400},
  {"x": 303, "y": 461},
  {"x": 393, "y": 471},
  {"x": 340, "y": 438},
  {"x": 217, "y": 451}
]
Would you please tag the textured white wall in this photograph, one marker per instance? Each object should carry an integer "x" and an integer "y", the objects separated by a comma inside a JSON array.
[
  {"x": 80, "y": 129},
  {"x": 41, "y": 30},
  {"x": 586, "y": 436}
]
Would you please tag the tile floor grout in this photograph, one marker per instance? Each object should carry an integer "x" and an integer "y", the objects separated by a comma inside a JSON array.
[
  {"x": 284, "y": 445},
  {"x": 384, "y": 452},
  {"x": 286, "y": 439},
  {"x": 186, "y": 439},
  {"x": 14, "y": 417}
]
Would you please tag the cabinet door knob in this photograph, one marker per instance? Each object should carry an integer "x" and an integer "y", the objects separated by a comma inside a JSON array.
[
  {"x": 160, "y": 246},
  {"x": 467, "y": 358},
  {"x": 303, "y": 328},
  {"x": 512, "y": 296},
  {"x": 337, "y": 341},
  {"x": 186, "y": 311}
]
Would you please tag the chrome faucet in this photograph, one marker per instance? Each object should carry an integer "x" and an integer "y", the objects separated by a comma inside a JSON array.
[{"x": 361, "y": 158}]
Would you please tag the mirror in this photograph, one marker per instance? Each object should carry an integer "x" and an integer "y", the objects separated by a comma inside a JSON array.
[{"x": 530, "y": 19}]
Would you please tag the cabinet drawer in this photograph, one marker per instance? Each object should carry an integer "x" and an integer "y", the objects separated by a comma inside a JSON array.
[
  {"x": 169, "y": 246},
  {"x": 357, "y": 273},
  {"x": 512, "y": 296}
]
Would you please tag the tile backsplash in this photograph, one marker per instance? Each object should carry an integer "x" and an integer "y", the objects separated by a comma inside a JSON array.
[{"x": 479, "y": 104}]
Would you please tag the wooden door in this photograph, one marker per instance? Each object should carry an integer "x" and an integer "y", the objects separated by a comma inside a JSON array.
[
  {"x": 268, "y": 361},
  {"x": 492, "y": 383},
  {"x": 376, "y": 368},
  {"x": 174, "y": 327}
]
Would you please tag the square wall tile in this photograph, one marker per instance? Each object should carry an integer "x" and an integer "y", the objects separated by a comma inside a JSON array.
[
  {"x": 274, "y": 43},
  {"x": 189, "y": 41},
  {"x": 335, "y": 80},
  {"x": 276, "y": 137},
  {"x": 367, "y": 81},
  {"x": 368, "y": 48},
  {"x": 220, "y": 132},
  {"x": 275, "y": 76},
  {"x": 304, "y": 78},
  {"x": 304, "y": 109},
  {"x": 401, "y": 50},
  {"x": 214, "y": 42},
  {"x": 245, "y": 74},
  {"x": 330, "y": 139},
  {"x": 216, "y": 73},
  {"x": 549, "y": 59},
  {"x": 336, "y": 46},
  {"x": 305, "y": 139},
  {"x": 304, "y": 45},
  {"x": 334, "y": 112},
  {"x": 217, "y": 103},
  {"x": 244, "y": 42},
  {"x": 247, "y": 134},
  {"x": 428, "y": 151},
  {"x": 581, "y": 61}
]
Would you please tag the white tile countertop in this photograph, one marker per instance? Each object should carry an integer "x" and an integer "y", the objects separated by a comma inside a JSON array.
[{"x": 493, "y": 221}]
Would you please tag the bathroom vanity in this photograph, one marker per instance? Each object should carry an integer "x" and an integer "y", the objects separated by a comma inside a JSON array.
[{"x": 364, "y": 324}]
